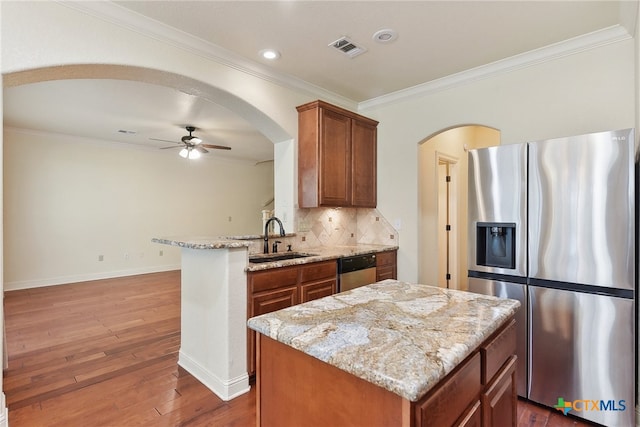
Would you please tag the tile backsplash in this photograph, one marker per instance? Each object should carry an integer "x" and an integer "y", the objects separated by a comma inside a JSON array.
[
  {"x": 334, "y": 227},
  {"x": 342, "y": 226}
]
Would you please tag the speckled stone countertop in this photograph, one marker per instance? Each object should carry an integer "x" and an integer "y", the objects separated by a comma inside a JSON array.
[
  {"x": 402, "y": 337},
  {"x": 322, "y": 253},
  {"x": 203, "y": 242}
]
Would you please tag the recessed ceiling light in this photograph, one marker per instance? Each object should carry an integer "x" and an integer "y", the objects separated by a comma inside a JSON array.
[
  {"x": 385, "y": 36},
  {"x": 270, "y": 54}
]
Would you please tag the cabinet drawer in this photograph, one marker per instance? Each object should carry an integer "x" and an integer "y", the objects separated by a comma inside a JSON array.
[
  {"x": 317, "y": 290},
  {"x": 273, "y": 301},
  {"x": 386, "y": 258},
  {"x": 272, "y": 279},
  {"x": 496, "y": 351},
  {"x": 440, "y": 409},
  {"x": 385, "y": 272},
  {"x": 318, "y": 271}
]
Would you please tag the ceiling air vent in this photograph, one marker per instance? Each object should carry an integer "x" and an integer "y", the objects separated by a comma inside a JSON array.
[{"x": 349, "y": 48}]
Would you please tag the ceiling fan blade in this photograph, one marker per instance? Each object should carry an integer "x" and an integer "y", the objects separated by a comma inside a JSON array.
[
  {"x": 201, "y": 149},
  {"x": 215, "y": 147},
  {"x": 173, "y": 146},
  {"x": 165, "y": 140}
]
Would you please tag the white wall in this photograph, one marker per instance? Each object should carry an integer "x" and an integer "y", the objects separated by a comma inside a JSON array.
[
  {"x": 452, "y": 144},
  {"x": 70, "y": 200},
  {"x": 586, "y": 92}
]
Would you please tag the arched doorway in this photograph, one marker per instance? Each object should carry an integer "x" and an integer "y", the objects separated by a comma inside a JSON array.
[
  {"x": 442, "y": 199},
  {"x": 143, "y": 257},
  {"x": 185, "y": 84}
]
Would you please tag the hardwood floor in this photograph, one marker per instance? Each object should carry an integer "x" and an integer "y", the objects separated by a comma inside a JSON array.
[{"x": 104, "y": 353}]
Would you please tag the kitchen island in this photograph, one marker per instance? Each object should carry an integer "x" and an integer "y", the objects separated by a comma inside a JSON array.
[{"x": 388, "y": 354}]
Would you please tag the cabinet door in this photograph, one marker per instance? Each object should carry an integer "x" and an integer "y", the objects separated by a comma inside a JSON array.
[
  {"x": 499, "y": 402},
  {"x": 472, "y": 418},
  {"x": 386, "y": 265},
  {"x": 363, "y": 164},
  {"x": 335, "y": 159},
  {"x": 266, "y": 302},
  {"x": 457, "y": 392}
]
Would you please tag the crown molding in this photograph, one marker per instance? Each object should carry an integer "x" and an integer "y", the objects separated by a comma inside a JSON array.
[
  {"x": 568, "y": 47},
  {"x": 118, "y": 15},
  {"x": 133, "y": 21}
]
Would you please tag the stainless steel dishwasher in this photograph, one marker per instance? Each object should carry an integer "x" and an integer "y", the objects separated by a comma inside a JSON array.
[{"x": 356, "y": 271}]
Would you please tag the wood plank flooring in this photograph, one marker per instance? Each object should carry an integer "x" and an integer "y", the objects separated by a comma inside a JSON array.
[{"x": 104, "y": 353}]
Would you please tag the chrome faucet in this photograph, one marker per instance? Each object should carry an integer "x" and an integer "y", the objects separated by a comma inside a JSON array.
[{"x": 266, "y": 232}]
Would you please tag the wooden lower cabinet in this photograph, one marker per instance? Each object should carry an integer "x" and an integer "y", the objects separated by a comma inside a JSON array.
[
  {"x": 318, "y": 394},
  {"x": 438, "y": 408},
  {"x": 499, "y": 401},
  {"x": 278, "y": 288},
  {"x": 386, "y": 265},
  {"x": 321, "y": 289},
  {"x": 471, "y": 418}
]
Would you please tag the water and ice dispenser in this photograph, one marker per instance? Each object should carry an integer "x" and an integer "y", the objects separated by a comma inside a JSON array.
[{"x": 496, "y": 245}]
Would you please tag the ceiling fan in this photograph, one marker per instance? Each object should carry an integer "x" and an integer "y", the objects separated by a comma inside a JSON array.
[{"x": 192, "y": 146}]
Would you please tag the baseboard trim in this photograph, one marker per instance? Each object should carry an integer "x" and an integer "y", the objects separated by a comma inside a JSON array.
[
  {"x": 4, "y": 411},
  {"x": 224, "y": 389},
  {"x": 63, "y": 280}
]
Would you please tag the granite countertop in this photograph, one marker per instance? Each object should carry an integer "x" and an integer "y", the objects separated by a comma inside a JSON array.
[
  {"x": 400, "y": 336},
  {"x": 203, "y": 242},
  {"x": 321, "y": 253}
]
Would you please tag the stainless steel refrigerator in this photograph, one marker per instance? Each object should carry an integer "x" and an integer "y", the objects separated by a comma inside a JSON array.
[{"x": 571, "y": 260}]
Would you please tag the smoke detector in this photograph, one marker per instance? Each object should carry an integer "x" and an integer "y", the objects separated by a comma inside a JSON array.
[
  {"x": 348, "y": 47},
  {"x": 386, "y": 35}
]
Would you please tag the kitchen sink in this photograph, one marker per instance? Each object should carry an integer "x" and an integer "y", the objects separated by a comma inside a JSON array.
[{"x": 277, "y": 257}]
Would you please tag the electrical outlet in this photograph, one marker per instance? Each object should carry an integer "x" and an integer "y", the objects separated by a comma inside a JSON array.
[
  {"x": 126, "y": 255},
  {"x": 161, "y": 253},
  {"x": 100, "y": 257}
]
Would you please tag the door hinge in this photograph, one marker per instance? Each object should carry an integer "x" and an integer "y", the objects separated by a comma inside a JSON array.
[
  {"x": 448, "y": 227},
  {"x": 448, "y": 276},
  {"x": 448, "y": 178}
]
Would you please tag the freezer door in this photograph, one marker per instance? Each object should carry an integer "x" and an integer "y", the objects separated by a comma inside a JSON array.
[
  {"x": 581, "y": 209},
  {"x": 582, "y": 348},
  {"x": 498, "y": 195},
  {"x": 513, "y": 291}
]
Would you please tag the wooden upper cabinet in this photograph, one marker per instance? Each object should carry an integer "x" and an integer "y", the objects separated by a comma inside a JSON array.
[{"x": 336, "y": 157}]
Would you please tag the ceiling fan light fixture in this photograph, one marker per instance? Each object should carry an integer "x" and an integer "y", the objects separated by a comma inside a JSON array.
[{"x": 189, "y": 153}]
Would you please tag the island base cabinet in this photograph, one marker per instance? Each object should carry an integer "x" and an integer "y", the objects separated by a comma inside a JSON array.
[{"x": 294, "y": 389}]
